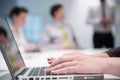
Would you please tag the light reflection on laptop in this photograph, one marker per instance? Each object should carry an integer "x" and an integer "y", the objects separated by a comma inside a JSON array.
[{"x": 7, "y": 39}]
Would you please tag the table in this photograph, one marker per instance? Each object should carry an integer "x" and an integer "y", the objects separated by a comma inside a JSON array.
[{"x": 40, "y": 58}]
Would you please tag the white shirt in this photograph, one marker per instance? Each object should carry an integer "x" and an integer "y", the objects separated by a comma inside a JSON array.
[
  {"x": 19, "y": 36},
  {"x": 95, "y": 17},
  {"x": 52, "y": 36}
]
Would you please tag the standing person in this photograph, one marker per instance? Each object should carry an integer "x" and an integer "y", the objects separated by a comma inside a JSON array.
[
  {"x": 102, "y": 18},
  {"x": 58, "y": 35},
  {"x": 18, "y": 16}
]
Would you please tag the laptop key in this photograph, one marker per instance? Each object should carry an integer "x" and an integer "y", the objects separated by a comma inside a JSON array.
[
  {"x": 36, "y": 71},
  {"x": 31, "y": 72},
  {"x": 42, "y": 71}
]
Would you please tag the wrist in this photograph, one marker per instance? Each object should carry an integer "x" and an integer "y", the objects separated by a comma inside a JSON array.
[
  {"x": 102, "y": 55},
  {"x": 105, "y": 65}
]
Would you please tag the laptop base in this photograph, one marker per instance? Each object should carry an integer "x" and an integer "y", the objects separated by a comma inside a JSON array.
[{"x": 39, "y": 73}]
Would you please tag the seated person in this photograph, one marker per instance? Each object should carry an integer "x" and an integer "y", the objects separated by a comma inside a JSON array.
[
  {"x": 18, "y": 16},
  {"x": 58, "y": 35},
  {"x": 106, "y": 63}
]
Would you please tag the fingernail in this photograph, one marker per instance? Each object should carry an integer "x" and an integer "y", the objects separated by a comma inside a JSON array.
[
  {"x": 47, "y": 70},
  {"x": 49, "y": 66},
  {"x": 53, "y": 71}
]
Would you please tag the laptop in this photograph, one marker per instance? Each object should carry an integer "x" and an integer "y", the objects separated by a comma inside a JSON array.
[{"x": 17, "y": 67}]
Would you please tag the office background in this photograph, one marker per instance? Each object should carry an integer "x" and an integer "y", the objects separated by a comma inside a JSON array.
[{"x": 76, "y": 15}]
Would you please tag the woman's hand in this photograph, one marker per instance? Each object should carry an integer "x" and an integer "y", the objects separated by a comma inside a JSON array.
[{"x": 76, "y": 63}]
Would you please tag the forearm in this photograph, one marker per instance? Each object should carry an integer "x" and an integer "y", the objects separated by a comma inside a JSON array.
[{"x": 112, "y": 66}]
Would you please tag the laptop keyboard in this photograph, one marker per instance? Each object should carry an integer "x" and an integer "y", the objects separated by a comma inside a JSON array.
[
  {"x": 42, "y": 72},
  {"x": 38, "y": 72}
]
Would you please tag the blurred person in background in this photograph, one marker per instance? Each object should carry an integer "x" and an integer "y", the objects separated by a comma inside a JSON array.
[
  {"x": 18, "y": 16},
  {"x": 102, "y": 18},
  {"x": 58, "y": 35}
]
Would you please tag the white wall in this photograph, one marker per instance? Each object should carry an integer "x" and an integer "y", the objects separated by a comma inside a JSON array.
[
  {"x": 41, "y": 8},
  {"x": 76, "y": 10}
]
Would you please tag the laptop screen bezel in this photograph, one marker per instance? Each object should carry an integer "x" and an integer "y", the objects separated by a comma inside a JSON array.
[{"x": 2, "y": 48}]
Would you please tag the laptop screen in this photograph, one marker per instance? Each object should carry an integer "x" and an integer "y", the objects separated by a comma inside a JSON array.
[{"x": 6, "y": 38}]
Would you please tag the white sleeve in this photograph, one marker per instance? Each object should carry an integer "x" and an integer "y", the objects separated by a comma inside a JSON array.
[
  {"x": 46, "y": 39},
  {"x": 24, "y": 41},
  {"x": 93, "y": 18}
]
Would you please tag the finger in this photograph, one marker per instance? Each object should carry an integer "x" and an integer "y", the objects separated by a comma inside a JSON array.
[
  {"x": 61, "y": 60},
  {"x": 50, "y": 60},
  {"x": 66, "y": 70},
  {"x": 62, "y": 65}
]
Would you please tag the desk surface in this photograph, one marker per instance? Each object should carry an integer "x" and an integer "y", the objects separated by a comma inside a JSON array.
[{"x": 40, "y": 58}]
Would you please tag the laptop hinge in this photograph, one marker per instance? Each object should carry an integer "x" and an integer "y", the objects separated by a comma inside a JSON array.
[{"x": 19, "y": 71}]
